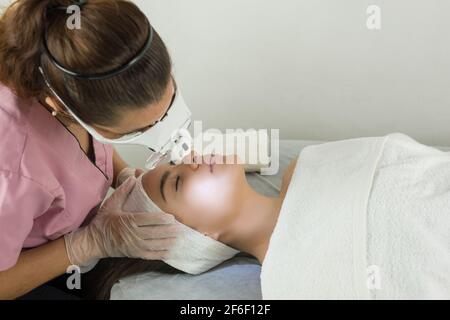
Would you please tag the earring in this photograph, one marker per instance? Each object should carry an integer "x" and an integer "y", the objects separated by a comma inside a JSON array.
[{"x": 54, "y": 113}]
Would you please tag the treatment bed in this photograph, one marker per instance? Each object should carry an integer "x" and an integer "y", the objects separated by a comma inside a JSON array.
[{"x": 238, "y": 278}]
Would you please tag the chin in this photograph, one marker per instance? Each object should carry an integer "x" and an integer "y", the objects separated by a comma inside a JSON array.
[{"x": 229, "y": 165}]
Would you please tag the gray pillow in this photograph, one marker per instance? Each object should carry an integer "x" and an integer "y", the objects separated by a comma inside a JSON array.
[{"x": 235, "y": 279}]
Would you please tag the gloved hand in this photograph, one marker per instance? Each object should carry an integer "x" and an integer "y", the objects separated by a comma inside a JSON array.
[
  {"x": 114, "y": 233},
  {"x": 127, "y": 172}
]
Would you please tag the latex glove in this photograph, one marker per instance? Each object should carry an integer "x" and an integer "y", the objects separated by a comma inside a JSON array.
[
  {"x": 127, "y": 172},
  {"x": 114, "y": 233}
]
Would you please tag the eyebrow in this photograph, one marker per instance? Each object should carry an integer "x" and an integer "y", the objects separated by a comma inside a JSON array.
[
  {"x": 170, "y": 105},
  {"x": 163, "y": 183}
]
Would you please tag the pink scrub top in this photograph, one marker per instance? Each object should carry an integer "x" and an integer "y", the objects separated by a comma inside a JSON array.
[{"x": 48, "y": 185}]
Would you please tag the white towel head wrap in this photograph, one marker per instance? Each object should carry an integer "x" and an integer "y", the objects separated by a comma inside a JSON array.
[{"x": 193, "y": 252}]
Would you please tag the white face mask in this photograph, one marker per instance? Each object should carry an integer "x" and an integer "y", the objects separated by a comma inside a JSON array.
[{"x": 168, "y": 138}]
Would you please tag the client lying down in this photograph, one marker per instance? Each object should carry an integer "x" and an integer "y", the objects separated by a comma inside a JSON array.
[{"x": 355, "y": 219}]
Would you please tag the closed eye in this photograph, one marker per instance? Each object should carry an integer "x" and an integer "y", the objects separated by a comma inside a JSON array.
[{"x": 176, "y": 183}]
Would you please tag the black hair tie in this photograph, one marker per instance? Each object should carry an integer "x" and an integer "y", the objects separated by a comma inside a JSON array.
[
  {"x": 103, "y": 75},
  {"x": 79, "y": 3}
]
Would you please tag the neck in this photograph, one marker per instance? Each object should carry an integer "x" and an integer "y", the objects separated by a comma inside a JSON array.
[
  {"x": 63, "y": 117},
  {"x": 255, "y": 222}
]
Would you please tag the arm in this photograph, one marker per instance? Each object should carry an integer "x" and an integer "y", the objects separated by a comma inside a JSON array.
[
  {"x": 112, "y": 233},
  {"x": 21, "y": 200},
  {"x": 49, "y": 259},
  {"x": 118, "y": 165}
]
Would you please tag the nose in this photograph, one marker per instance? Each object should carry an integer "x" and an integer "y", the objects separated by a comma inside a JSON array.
[{"x": 193, "y": 160}]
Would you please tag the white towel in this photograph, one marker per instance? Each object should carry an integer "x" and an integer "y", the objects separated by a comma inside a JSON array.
[
  {"x": 360, "y": 219},
  {"x": 193, "y": 252},
  {"x": 409, "y": 220}
]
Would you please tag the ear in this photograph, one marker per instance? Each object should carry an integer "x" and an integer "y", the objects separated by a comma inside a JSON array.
[{"x": 52, "y": 104}]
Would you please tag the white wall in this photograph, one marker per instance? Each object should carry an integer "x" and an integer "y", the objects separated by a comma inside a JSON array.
[{"x": 311, "y": 67}]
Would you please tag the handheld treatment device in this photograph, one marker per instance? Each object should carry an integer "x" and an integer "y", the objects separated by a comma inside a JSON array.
[{"x": 168, "y": 138}]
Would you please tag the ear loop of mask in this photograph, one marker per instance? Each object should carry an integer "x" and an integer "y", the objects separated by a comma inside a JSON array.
[{"x": 62, "y": 103}]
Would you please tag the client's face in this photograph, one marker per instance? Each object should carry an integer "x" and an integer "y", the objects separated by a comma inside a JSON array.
[{"x": 203, "y": 196}]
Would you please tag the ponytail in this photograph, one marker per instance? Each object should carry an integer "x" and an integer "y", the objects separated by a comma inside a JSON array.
[
  {"x": 112, "y": 32},
  {"x": 21, "y": 31}
]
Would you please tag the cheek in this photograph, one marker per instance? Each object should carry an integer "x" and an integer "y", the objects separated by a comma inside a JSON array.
[{"x": 211, "y": 199}]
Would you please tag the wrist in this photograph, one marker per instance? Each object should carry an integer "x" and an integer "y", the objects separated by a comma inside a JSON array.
[
  {"x": 124, "y": 174},
  {"x": 82, "y": 248}
]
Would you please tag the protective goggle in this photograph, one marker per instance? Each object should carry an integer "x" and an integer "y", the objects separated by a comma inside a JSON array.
[{"x": 168, "y": 138}]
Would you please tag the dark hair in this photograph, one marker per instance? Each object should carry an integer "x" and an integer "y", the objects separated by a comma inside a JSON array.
[
  {"x": 97, "y": 284},
  {"x": 112, "y": 32}
]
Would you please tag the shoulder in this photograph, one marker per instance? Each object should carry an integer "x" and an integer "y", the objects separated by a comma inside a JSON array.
[
  {"x": 13, "y": 107},
  {"x": 287, "y": 176},
  {"x": 22, "y": 201},
  {"x": 13, "y": 129}
]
